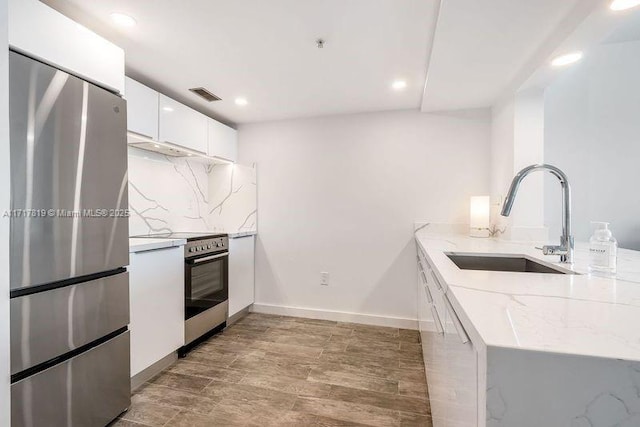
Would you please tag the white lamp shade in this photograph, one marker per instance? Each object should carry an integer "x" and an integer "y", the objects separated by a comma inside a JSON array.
[{"x": 479, "y": 216}]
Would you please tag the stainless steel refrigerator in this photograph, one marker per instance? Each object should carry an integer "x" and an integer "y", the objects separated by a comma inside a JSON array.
[{"x": 69, "y": 248}]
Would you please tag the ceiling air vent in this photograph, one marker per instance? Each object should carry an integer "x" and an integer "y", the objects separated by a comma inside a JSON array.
[{"x": 203, "y": 93}]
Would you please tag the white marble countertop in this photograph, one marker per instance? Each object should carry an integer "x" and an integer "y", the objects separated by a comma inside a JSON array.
[
  {"x": 238, "y": 234},
  {"x": 567, "y": 314},
  {"x": 140, "y": 244}
]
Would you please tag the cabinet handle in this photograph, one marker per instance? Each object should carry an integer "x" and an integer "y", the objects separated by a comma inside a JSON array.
[
  {"x": 424, "y": 278},
  {"x": 149, "y": 137},
  {"x": 428, "y": 292},
  {"x": 164, "y": 248},
  {"x": 423, "y": 265},
  {"x": 436, "y": 320},
  {"x": 462, "y": 334},
  {"x": 435, "y": 279}
]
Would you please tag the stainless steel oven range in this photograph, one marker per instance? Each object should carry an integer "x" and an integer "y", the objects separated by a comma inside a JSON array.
[{"x": 206, "y": 284}]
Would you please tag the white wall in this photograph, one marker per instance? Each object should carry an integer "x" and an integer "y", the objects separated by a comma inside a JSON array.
[
  {"x": 592, "y": 132},
  {"x": 5, "y": 407},
  {"x": 502, "y": 135},
  {"x": 340, "y": 194},
  {"x": 528, "y": 211},
  {"x": 516, "y": 142}
]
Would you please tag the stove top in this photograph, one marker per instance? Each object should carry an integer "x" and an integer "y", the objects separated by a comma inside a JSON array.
[{"x": 189, "y": 236}]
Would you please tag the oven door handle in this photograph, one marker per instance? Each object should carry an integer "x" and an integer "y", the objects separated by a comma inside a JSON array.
[{"x": 208, "y": 258}]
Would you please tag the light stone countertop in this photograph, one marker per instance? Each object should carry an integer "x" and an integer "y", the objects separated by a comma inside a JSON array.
[
  {"x": 141, "y": 244},
  {"x": 568, "y": 314},
  {"x": 238, "y": 234}
]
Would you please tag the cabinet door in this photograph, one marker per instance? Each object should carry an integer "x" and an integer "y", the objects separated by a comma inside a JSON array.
[
  {"x": 42, "y": 32},
  {"x": 222, "y": 141},
  {"x": 142, "y": 109},
  {"x": 241, "y": 273},
  {"x": 157, "y": 305},
  {"x": 183, "y": 126},
  {"x": 461, "y": 366}
]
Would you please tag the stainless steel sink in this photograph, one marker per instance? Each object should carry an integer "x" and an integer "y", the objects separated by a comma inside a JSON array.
[{"x": 513, "y": 263}]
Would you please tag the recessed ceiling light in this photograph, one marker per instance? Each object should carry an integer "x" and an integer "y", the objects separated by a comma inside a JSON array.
[
  {"x": 167, "y": 109},
  {"x": 567, "y": 59},
  {"x": 624, "y": 4},
  {"x": 122, "y": 20},
  {"x": 399, "y": 84},
  {"x": 156, "y": 145},
  {"x": 241, "y": 102}
]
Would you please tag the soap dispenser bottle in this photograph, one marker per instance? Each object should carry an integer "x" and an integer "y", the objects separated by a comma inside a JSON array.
[{"x": 603, "y": 250}]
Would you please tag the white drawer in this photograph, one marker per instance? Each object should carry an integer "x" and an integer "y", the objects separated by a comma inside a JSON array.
[
  {"x": 436, "y": 320},
  {"x": 421, "y": 265},
  {"x": 451, "y": 315},
  {"x": 428, "y": 294},
  {"x": 437, "y": 295},
  {"x": 436, "y": 281}
]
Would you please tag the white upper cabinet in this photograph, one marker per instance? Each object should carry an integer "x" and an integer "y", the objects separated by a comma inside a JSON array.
[
  {"x": 44, "y": 33},
  {"x": 222, "y": 141},
  {"x": 142, "y": 109},
  {"x": 182, "y": 125}
]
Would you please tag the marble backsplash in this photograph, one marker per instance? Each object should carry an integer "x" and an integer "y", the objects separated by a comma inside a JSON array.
[
  {"x": 232, "y": 198},
  {"x": 181, "y": 194}
]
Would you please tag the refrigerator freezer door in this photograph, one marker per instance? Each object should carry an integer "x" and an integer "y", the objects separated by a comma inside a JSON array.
[
  {"x": 88, "y": 390},
  {"x": 47, "y": 324},
  {"x": 68, "y": 176}
]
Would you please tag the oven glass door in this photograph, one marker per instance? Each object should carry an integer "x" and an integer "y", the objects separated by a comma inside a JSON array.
[{"x": 206, "y": 283}]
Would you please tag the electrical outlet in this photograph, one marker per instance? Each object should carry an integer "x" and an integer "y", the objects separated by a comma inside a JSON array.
[{"x": 324, "y": 278}]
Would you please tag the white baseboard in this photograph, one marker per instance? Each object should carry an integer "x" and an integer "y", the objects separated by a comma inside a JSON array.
[{"x": 338, "y": 316}]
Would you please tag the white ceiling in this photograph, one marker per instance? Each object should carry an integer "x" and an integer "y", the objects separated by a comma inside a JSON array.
[
  {"x": 265, "y": 51},
  {"x": 591, "y": 25},
  {"x": 628, "y": 31},
  {"x": 480, "y": 47}
]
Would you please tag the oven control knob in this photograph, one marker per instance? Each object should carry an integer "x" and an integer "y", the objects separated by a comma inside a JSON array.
[
  {"x": 191, "y": 249},
  {"x": 209, "y": 246}
]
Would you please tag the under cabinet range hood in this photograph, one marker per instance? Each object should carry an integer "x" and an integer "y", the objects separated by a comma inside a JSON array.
[{"x": 168, "y": 149}]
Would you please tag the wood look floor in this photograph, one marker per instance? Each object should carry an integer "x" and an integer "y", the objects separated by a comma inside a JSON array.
[{"x": 284, "y": 371}]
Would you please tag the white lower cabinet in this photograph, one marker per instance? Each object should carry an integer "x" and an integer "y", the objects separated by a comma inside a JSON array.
[
  {"x": 156, "y": 281},
  {"x": 450, "y": 358},
  {"x": 241, "y": 273}
]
